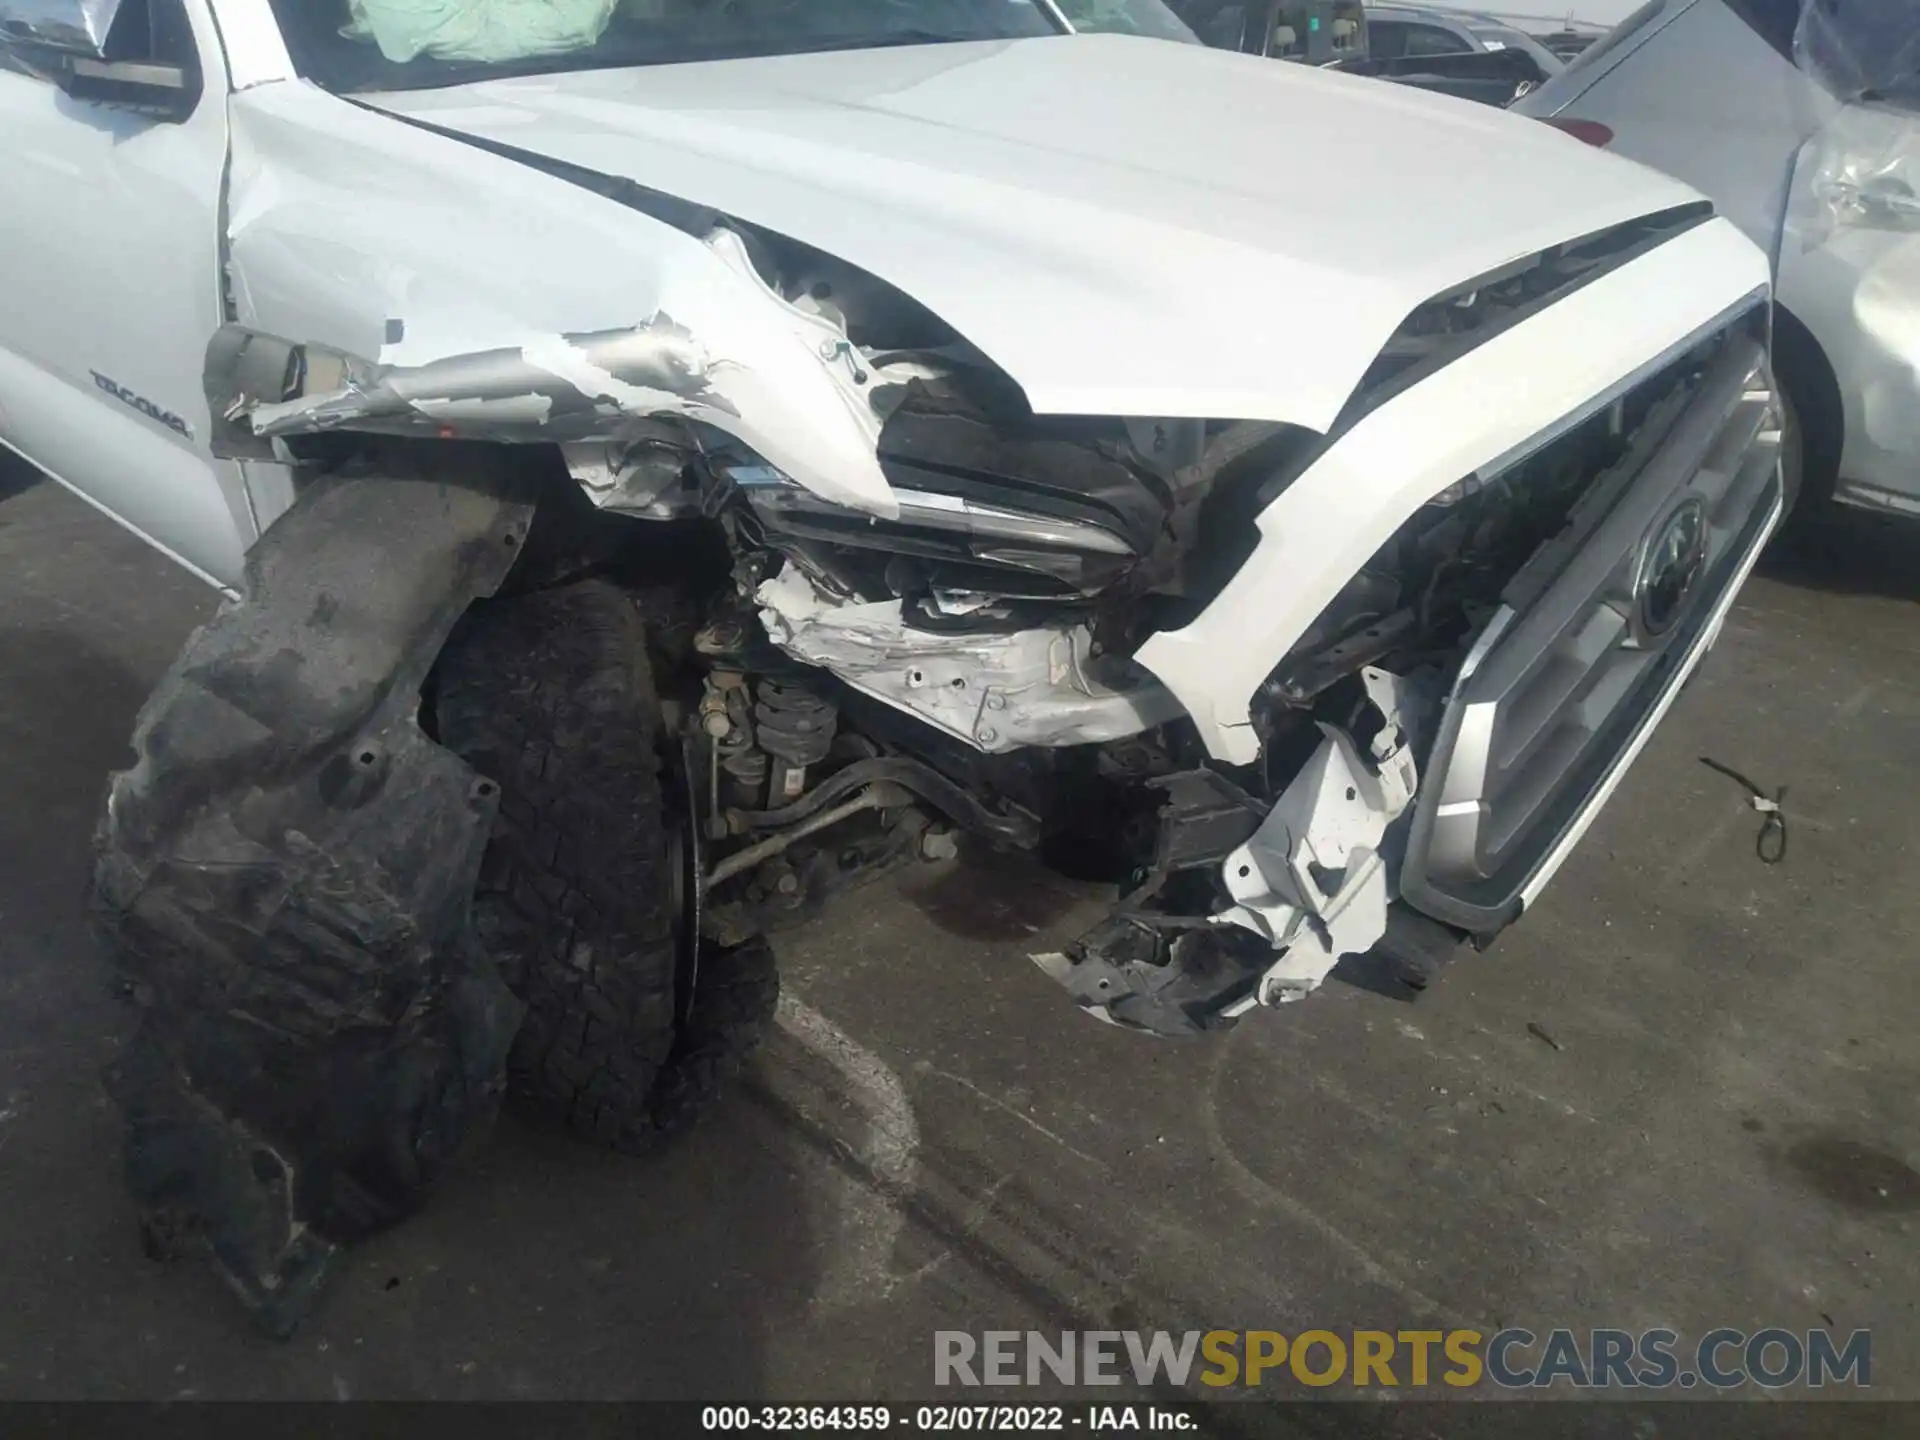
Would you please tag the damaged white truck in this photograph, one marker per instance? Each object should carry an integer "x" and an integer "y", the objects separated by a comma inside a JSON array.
[{"x": 669, "y": 462}]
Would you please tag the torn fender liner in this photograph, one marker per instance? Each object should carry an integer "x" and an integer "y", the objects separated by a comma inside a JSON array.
[
  {"x": 286, "y": 872},
  {"x": 1157, "y": 963}
]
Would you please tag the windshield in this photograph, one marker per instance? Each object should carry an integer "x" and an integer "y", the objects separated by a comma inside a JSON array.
[
  {"x": 415, "y": 44},
  {"x": 1127, "y": 17}
]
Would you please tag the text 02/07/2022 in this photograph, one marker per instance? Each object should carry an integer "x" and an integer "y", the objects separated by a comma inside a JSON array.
[{"x": 941, "y": 1419}]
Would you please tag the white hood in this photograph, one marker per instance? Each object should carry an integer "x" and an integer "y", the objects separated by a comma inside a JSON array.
[{"x": 1125, "y": 226}]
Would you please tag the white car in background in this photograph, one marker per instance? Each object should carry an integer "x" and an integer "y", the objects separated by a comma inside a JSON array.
[{"x": 1802, "y": 122}]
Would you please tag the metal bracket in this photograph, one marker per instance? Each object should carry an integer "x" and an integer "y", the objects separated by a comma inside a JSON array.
[{"x": 1314, "y": 879}]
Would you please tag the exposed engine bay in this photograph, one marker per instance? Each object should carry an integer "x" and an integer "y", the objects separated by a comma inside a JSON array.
[{"x": 1040, "y": 732}]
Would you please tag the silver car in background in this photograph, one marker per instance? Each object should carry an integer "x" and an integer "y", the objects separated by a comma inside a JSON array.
[{"x": 1802, "y": 122}]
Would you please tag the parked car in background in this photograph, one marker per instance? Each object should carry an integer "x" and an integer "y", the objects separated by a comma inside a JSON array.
[
  {"x": 1571, "y": 40},
  {"x": 1466, "y": 55},
  {"x": 1338, "y": 34},
  {"x": 1470, "y": 56},
  {"x": 1804, "y": 128},
  {"x": 1396, "y": 32},
  {"x": 1320, "y": 32},
  {"x": 1316, "y": 32}
]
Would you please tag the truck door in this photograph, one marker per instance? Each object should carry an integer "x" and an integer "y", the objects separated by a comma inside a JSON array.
[{"x": 112, "y": 177}]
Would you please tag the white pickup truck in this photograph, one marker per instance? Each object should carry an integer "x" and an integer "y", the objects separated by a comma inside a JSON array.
[{"x": 670, "y": 461}]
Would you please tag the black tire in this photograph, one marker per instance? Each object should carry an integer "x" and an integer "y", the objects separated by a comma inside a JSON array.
[
  {"x": 733, "y": 1002},
  {"x": 580, "y": 903},
  {"x": 1813, "y": 423}
]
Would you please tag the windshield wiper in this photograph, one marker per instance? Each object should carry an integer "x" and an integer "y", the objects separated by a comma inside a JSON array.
[{"x": 885, "y": 38}]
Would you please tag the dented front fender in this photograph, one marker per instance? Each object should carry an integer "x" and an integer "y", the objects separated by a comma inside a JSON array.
[{"x": 387, "y": 278}]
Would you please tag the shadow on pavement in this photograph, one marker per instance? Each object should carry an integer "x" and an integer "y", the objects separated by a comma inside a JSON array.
[
  {"x": 15, "y": 475},
  {"x": 1850, "y": 552}
]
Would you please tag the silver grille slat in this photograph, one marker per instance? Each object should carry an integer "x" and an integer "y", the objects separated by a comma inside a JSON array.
[
  {"x": 1558, "y": 685},
  {"x": 1569, "y": 673}
]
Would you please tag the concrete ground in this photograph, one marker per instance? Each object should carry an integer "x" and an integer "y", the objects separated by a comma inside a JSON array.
[{"x": 1681, "y": 1094}]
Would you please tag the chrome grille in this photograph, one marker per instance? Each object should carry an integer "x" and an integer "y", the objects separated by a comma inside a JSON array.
[{"x": 1562, "y": 685}]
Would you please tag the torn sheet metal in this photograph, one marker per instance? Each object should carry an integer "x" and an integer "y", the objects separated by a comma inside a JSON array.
[
  {"x": 610, "y": 386},
  {"x": 561, "y": 387},
  {"x": 1177, "y": 983},
  {"x": 559, "y": 317},
  {"x": 647, "y": 477},
  {"x": 1316, "y": 878},
  {"x": 995, "y": 691}
]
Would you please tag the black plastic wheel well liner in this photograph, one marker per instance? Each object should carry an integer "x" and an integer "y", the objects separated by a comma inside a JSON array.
[{"x": 286, "y": 871}]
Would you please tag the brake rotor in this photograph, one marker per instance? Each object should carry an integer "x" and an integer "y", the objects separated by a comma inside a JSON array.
[{"x": 686, "y": 865}]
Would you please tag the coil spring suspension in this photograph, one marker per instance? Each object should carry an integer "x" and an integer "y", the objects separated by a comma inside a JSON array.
[{"x": 795, "y": 724}]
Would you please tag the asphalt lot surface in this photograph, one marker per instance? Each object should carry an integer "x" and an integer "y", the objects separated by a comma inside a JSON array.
[{"x": 1681, "y": 1094}]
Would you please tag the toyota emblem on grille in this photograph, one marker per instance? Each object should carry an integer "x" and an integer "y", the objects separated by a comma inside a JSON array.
[{"x": 1670, "y": 567}]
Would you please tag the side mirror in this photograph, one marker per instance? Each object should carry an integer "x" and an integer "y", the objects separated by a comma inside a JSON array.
[
  {"x": 133, "y": 54},
  {"x": 168, "y": 91}
]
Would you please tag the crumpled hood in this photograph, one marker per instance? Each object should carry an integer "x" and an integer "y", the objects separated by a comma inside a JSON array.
[{"x": 1125, "y": 226}]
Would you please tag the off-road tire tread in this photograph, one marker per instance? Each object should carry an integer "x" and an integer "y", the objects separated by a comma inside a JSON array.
[
  {"x": 550, "y": 694},
  {"x": 734, "y": 1001}
]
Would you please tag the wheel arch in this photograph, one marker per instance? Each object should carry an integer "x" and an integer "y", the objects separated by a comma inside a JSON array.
[{"x": 1801, "y": 367}]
